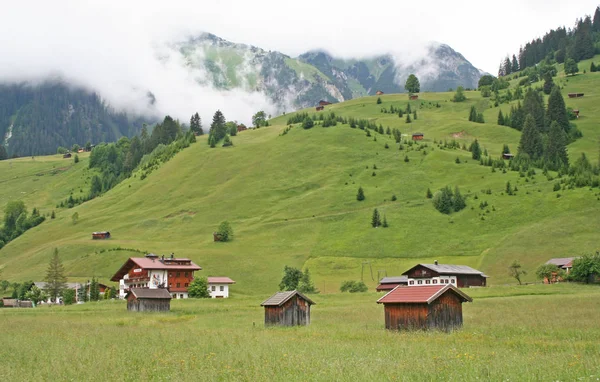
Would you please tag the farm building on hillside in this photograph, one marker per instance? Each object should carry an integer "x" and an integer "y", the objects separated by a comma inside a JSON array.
[
  {"x": 427, "y": 307},
  {"x": 379, "y": 92},
  {"x": 389, "y": 283},
  {"x": 324, "y": 103},
  {"x": 413, "y": 97},
  {"x": 219, "y": 286},
  {"x": 66, "y": 155},
  {"x": 565, "y": 263},
  {"x": 508, "y": 156},
  {"x": 576, "y": 112},
  {"x": 319, "y": 108},
  {"x": 100, "y": 235},
  {"x": 287, "y": 309},
  {"x": 241, "y": 127},
  {"x": 575, "y": 95},
  {"x": 461, "y": 276},
  {"x": 14, "y": 303},
  {"x": 417, "y": 136},
  {"x": 148, "y": 300}
]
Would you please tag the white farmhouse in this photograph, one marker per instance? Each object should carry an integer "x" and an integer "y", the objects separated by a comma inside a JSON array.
[{"x": 219, "y": 286}]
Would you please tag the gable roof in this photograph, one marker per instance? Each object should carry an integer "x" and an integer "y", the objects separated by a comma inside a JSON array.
[
  {"x": 562, "y": 261},
  {"x": 220, "y": 280},
  {"x": 394, "y": 280},
  {"x": 449, "y": 269},
  {"x": 154, "y": 262},
  {"x": 420, "y": 294},
  {"x": 149, "y": 293},
  {"x": 281, "y": 298}
]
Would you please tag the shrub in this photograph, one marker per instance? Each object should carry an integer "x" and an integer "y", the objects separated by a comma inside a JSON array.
[
  {"x": 199, "y": 288},
  {"x": 353, "y": 287},
  {"x": 225, "y": 231},
  {"x": 68, "y": 296}
]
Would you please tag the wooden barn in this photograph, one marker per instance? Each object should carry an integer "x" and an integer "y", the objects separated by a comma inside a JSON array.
[
  {"x": 148, "y": 300},
  {"x": 324, "y": 103},
  {"x": 437, "y": 307},
  {"x": 461, "y": 276},
  {"x": 241, "y": 127},
  {"x": 287, "y": 309},
  {"x": 413, "y": 97},
  {"x": 100, "y": 235},
  {"x": 575, "y": 95},
  {"x": 417, "y": 137},
  {"x": 508, "y": 156},
  {"x": 379, "y": 92},
  {"x": 320, "y": 108},
  {"x": 388, "y": 283},
  {"x": 66, "y": 155}
]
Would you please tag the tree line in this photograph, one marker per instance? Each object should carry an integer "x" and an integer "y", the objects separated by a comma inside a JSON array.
[{"x": 17, "y": 220}]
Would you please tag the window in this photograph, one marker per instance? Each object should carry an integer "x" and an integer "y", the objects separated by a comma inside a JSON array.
[
  {"x": 419, "y": 282},
  {"x": 178, "y": 285},
  {"x": 186, "y": 274},
  {"x": 186, "y": 285},
  {"x": 411, "y": 282},
  {"x": 177, "y": 274},
  {"x": 222, "y": 288},
  {"x": 434, "y": 281},
  {"x": 170, "y": 285},
  {"x": 180, "y": 296},
  {"x": 174, "y": 295},
  {"x": 213, "y": 288},
  {"x": 170, "y": 275},
  {"x": 427, "y": 281},
  {"x": 452, "y": 281}
]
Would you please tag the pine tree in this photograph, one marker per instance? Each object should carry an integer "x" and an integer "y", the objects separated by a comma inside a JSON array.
[
  {"x": 52, "y": 215},
  {"x": 534, "y": 104},
  {"x": 458, "y": 201},
  {"x": 376, "y": 219},
  {"x": 388, "y": 131},
  {"x": 505, "y": 149},
  {"x": 360, "y": 196},
  {"x": 515, "y": 64},
  {"x": 217, "y": 127},
  {"x": 94, "y": 290},
  {"x": 385, "y": 223},
  {"x": 500, "y": 118},
  {"x": 408, "y": 108},
  {"x": 415, "y": 115},
  {"x": 408, "y": 118},
  {"x": 508, "y": 188},
  {"x": 555, "y": 154},
  {"x": 378, "y": 100},
  {"x": 557, "y": 110},
  {"x": 429, "y": 195},
  {"x": 212, "y": 141},
  {"x": 55, "y": 279},
  {"x": 571, "y": 67},
  {"x": 592, "y": 70},
  {"x": 472, "y": 114},
  {"x": 548, "y": 83},
  {"x": 596, "y": 24},
  {"x": 475, "y": 150},
  {"x": 531, "y": 140}
]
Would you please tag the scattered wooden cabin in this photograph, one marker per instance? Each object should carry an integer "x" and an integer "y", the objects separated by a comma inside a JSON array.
[
  {"x": 413, "y": 97},
  {"x": 218, "y": 287},
  {"x": 575, "y": 95},
  {"x": 319, "y": 108},
  {"x": 508, "y": 156},
  {"x": 379, "y": 92},
  {"x": 100, "y": 235},
  {"x": 425, "y": 307},
  {"x": 417, "y": 136},
  {"x": 148, "y": 300},
  {"x": 462, "y": 276},
  {"x": 386, "y": 284},
  {"x": 241, "y": 127},
  {"x": 324, "y": 103},
  {"x": 66, "y": 155},
  {"x": 287, "y": 309},
  {"x": 564, "y": 263}
]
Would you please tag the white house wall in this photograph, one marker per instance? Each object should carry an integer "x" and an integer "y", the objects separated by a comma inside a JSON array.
[{"x": 217, "y": 292}]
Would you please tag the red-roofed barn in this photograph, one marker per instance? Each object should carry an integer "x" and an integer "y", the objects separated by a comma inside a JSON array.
[{"x": 424, "y": 307}]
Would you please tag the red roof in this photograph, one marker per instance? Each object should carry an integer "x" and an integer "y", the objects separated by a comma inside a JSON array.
[
  {"x": 419, "y": 294},
  {"x": 155, "y": 263},
  {"x": 220, "y": 280}
]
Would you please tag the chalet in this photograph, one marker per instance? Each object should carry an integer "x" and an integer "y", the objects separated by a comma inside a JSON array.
[
  {"x": 320, "y": 108},
  {"x": 379, "y": 92},
  {"x": 461, "y": 276},
  {"x": 241, "y": 127},
  {"x": 413, "y": 97},
  {"x": 508, "y": 156},
  {"x": 564, "y": 263},
  {"x": 287, "y": 309},
  {"x": 66, "y": 155},
  {"x": 417, "y": 136},
  {"x": 219, "y": 286},
  {"x": 148, "y": 300},
  {"x": 575, "y": 95},
  {"x": 173, "y": 274},
  {"x": 426, "y": 307},
  {"x": 324, "y": 103},
  {"x": 388, "y": 283},
  {"x": 100, "y": 235}
]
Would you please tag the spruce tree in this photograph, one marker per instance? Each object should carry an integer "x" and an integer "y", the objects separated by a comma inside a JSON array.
[
  {"x": 428, "y": 194},
  {"x": 458, "y": 201},
  {"x": 378, "y": 100},
  {"x": 548, "y": 83},
  {"x": 505, "y": 149},
  {"x": 376, "y": 219},
  {"x": 415, "y": 115},
  {"x": 385, "y": 223},
  {"x": 360, "y": 196},
  {"x": 56, "y": 280},
  {"x": 500, "y": 118},
  {"x": 534, "y": 104},
  {"x": 508, "y": 188},
  {"x": 217, "y": 127},
  {"x": 94, "y": 290},
  {"x": 531, "y": 139},
  {"x": 557, "y": 110},
  {"x": 555, "y": 154},
  {"x": 515, "y": 64},
  {"x": 408, "y": 118},
  {"x": 475, "y": 150},
  {"x": 3, "y": 152}
]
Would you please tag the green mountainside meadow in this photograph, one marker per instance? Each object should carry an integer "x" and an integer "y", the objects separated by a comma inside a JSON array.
[{"x": 290, "y": 195}]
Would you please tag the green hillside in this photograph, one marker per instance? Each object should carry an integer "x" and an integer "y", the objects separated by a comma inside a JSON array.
[{"x": 292, "y": 201}]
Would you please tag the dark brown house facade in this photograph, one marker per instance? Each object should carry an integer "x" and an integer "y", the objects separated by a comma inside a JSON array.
[
  {"x": 461, "y": 276},
  {"x": 437, "y": 307},
  {"x": 287, "y": 309},
  {"x": 148, "y": 300}
]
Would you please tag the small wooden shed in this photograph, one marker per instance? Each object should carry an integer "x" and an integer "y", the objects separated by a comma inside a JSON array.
[
  {"x": 417, "y": 136},
  {"x": 507, "y": 156},
  {"x": 324, "y": 103},
  {"x": 424, "y": 307},
  {"x": 413, "y": 97},
  {"x": 287, "y": 309},
  {"x": 101, "y": 235},
  {"x": 320, "y": 108},
  {"x": 148, "y": 300},
  {"x": 575, "y": 95},
  {"x": 66, "y": 155},
  {"x": 379, "y": 92}
]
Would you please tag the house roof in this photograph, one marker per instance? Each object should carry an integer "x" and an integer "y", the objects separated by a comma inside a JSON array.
[
  {"x": 42, "y": 285},
  {"x": 420, "y": 294},
  {"x": 147, "y": 293},
  {"x": 381, "y": 287},
  {"x": 394, "y": 280},
  {"x": 449, "y": 269},
  {"x": 220, "y": 280},
  {"x": 562, "y": 261},
  {"x": 281, "y": 298},
  {"x": 417, "y": 133},
  {"x": 154, "y": 262},
  {"x": 101, "y": 233}
]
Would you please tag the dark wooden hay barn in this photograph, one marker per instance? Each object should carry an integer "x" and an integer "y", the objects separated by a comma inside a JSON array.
[
  {"x": 287, "y": 309},
  {"x": 67, "y": 155},
  {"x": 575, "y": 95},
  {"x": 324, "y": 103},
  {"x": 101, "y": 235},
  {"x": 508, "y": 156},
  {"x": 424, "y": 307},
  {"x": 413, "y": 97},
  {"x": 417, "y": 136},
  {"x": 319, "y": 108},
  {"x": 148, "y": 300}
]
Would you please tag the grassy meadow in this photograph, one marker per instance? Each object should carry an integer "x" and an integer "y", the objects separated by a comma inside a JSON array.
[{"x": 527, "y": 333}]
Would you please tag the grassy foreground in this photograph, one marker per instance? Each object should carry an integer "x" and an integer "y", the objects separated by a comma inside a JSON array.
[{"x": 541, "y": 332}]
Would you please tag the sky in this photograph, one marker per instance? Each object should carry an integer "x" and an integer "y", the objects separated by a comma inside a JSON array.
[{"x": 110, "y": 46}]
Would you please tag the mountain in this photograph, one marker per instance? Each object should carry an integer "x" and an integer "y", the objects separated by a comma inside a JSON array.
[
  {"x": 37, "y": 119},
  {"x": 302, "y": 81}
]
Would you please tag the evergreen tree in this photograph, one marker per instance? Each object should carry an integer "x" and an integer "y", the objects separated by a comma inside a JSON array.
[
  {"x": 571, "y": 67},
  {"x": 557, "y": 110},
  {"x": 378, "y": 100},
  {"x": 515, "y": 64},
  {"x": 548, "y": 83},
  {"x": 408, "y": 108},
  {"x": 458, "y": 201},
  {"x": 56, "y": 280},
  {"x": 306, "y": 285},
  {"x": 592, "y": 70},
  {"x": 376, "y": 219},
  {"x": 473, "y": 114},
  {"x": 217, "y": 127},
  {"x": 596, "y": 24},
  {"x": 94, "y": 290},
  {"x": 196, "y": 124},
  {"x": 408, "y": 118},
  {"x": 500, "y": 118},
  {"x": 459, "y": 96},
  {"x": 212, "y": 142},
  {"x": 385, "y": 223},
  {"x": 82, "y": 293},
  {"x": 555, "y": 153},
  {"x": 534, "y": 104},
  {"x": 53, "y": 215},
  {"x": 531, "y": 140},
  {"x": 415, "y": 115},
  {"x": 412, "y": 84},
  {"x": 442, "y": 201},
  {"x": 505, "y": 149},
  {"x": 509, "y": 188},
  {"x": 428, "y": 194},
  {"x": 3, "y": 152},
  {"x": 475, "y": 150},
  {"x": 360, "y": 196}
]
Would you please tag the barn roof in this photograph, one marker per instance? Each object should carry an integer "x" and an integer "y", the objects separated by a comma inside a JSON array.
[
  {"x": 562, "y": 261},
  {"x": 154, "y": 262},
  {"x": 280, "y": 298},
  {"x": 417, "y": 134},
  {"x": 420, "y": 294},
  {"x": 394, "y": 280},
  {"x": 220, "y": 280},
  {"x": 449, "y": 269},
  {"x": 146, "y": 293}
]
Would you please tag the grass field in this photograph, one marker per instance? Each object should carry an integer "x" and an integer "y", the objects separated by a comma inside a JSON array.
[
  {"x": 291, "y": 201},
  {"x": 528, "y": 333}
]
